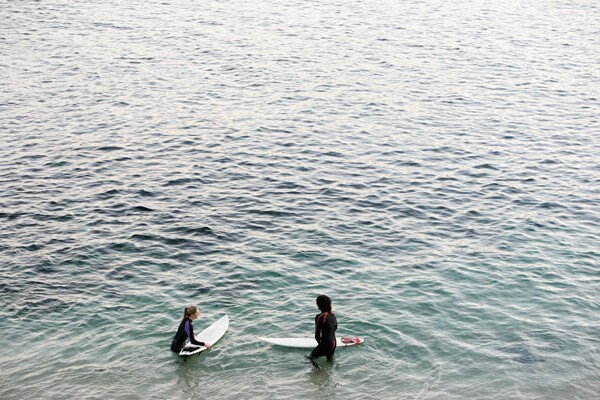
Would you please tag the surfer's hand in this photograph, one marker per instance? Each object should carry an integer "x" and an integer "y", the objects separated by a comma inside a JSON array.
[{"x": 207, "y": 346}]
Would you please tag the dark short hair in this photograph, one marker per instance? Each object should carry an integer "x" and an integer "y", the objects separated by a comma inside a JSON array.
[{"x": 324, "y": 303}]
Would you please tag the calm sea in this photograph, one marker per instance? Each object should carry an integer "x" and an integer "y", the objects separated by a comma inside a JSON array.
[{"x": 432, "y": 166}]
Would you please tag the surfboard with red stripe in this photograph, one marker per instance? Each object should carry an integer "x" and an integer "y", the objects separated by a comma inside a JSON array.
[{"x": 309, "y": 343}]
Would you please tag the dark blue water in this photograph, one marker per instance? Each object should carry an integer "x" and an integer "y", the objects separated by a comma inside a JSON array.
[{"x": 431, "y": 166}]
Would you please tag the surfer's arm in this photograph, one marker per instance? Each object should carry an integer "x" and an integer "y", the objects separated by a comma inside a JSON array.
[
  {"x": 199, "y": 343},
  {"x": 317, "y": 329},
  {"x": 189, "y": 329}
]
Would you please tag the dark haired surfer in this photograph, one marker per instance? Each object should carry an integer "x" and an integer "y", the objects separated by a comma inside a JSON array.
[
  {"x": 186, "y": 331},
  {"x": 325, "y": 327}
]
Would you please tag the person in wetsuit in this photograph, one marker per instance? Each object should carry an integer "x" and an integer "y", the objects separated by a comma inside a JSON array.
[
  {"x": 186, "y": 331},
  {"x": 325, "y": 327}
]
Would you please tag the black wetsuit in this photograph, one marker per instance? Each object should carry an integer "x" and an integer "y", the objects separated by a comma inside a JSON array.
[
  {"x": 184, "y": 332},
  {"x": 325, "y": 326}
]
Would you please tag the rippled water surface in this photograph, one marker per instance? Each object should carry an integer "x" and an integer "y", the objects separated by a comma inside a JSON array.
[{"x": 430, "y": 165}]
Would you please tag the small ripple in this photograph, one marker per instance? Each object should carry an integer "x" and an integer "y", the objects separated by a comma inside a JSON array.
[
  {"x": 108, "y": 194},
  {"x": 186, "y": 181},
  {"x": 486, "y": 166},
  {"x": 272, "y": 213},
  {"x": 549, "y": 205},
  {"x": 141, "y": 209},
  {"x": 200, "y": 231},
  {"x": 521, "y": 353},
  {"x": 108, "y": 148}
]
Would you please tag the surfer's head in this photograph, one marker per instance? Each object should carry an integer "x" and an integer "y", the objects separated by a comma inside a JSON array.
[
  {"x": 324, "y": 303},
  {"x": 190, "y": 312}
]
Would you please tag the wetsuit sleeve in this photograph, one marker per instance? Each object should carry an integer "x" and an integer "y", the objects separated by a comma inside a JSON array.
[
  {"x": 317, "y": 329},
  {"x": 189, "y": 329}
]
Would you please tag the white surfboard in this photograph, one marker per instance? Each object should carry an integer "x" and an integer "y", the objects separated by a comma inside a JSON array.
[
  {"x": 210, "y": 335},
  {"x": 309, "y": 343}
]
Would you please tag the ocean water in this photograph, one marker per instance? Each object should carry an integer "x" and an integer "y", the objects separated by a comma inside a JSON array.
[{"x": 430, "y": 165}]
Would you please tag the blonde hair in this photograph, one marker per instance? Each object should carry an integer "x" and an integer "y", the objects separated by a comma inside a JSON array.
[{"x": 189, "y": 311}]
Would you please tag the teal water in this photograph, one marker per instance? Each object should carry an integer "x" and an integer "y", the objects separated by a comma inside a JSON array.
[{"x": 431, "y": 166}]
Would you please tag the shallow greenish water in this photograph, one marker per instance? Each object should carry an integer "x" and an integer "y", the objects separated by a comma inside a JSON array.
[{"x": 431, "y": 166}]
